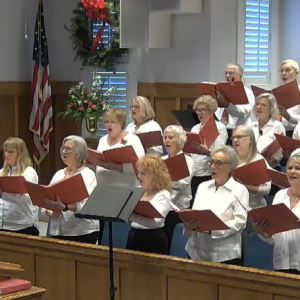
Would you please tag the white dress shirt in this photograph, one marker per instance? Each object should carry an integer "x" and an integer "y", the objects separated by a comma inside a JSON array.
[
  {"x": 17, "y": 211},
  {"x": 161, "y": 203},
  {"x": 181, "y": 190},
  {"x": 220, "y": 245},
  {"x": 201, "y": 161},
  {"x": 128, "y": 176},
  {"x": 286, "y": 253},
  {"x": 296, "y": 133},
  {"x": 257, "y": 200},
  {"x": 294, "y": 113},
  {"x": 149, "y": 126},
  {"x": 266, "y": 136},
  {"x": 68, "y": 224}
]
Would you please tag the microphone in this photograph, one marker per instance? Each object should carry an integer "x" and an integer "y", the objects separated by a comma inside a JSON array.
[
  {"x": 260, "y": 132},
  {"x": 232, "y": 79}
]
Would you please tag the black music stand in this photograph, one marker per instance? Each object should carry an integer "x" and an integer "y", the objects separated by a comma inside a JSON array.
[{"x": 111, "y": 203}]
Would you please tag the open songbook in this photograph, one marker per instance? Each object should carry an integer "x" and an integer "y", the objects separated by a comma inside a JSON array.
[
  {"x": 287, "y": 144},
  {"x": 13, "y": 185},
  {"x": 150, "y": 139},
  {"x": 177, "y": 167}
]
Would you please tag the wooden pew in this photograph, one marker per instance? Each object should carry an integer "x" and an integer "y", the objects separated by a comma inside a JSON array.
[{"x": 73, "y": 271}]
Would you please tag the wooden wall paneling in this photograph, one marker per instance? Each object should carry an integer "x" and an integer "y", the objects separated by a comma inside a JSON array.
[{"x": 163, "y": 111}]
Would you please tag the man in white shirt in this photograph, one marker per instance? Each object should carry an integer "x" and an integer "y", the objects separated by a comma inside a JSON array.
[{"x": 237, "y": 114}]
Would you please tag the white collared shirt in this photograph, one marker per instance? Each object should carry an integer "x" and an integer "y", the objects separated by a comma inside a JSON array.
[
  {"x": 201, "y": 161},
  {"x": 149, "y": 126},
  {"x": 161, "y": 203},
  {"x": 68, "y": 224},
  {"x": 268, "y": 136},
  {"x": 220, "y": 245},
  {"x": 128, "y": 177},
  {"x": 294, "y": 113},
  {"x": 17, "y": 211},
  {"x": 257, "y": 200},
  {"x": 181, "y": 194},
  {"x": 286, "y": 253}
]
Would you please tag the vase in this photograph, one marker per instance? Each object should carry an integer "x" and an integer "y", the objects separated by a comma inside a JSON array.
[{"x": 92, "y": 125}]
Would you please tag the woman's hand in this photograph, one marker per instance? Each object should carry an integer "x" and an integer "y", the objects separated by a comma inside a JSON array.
[
  {"x": 253, "y": 189},
  {"x": 111, "y": 166},
  {"x": 55, "y": 206},
  {"x": 222, "y": 101},
  {"x": 260, "y": 228},
  {"x": 191, "y": 225},
  {"x": 284, "y": 112},
  {"x": 202, "y": 149},
  {"x": 53, "y": 214}
]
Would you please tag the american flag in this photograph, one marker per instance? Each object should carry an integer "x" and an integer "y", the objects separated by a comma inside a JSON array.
[{"x": 41, "y": 115}]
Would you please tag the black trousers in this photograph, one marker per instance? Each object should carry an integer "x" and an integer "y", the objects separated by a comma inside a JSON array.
[
  {"x": 90, "y": 238},
  {"x": 235, "y": 261},
  {"x": 170, "y": 222},
  {"x": 289, "y": 271},
  {"x": 196, "y": 180},
  {"x": 148, "y": 240},
  {"x": 32, "y": 230},
  {"x": 229, "y": 141},
  {"x": 284, "y": 160}
]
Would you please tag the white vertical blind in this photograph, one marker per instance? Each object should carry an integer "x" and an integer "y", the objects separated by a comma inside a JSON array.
[{"x": 257, "y": 41}]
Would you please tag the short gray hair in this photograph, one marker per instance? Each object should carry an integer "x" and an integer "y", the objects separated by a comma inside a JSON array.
[
  {"x": 274, "y": 111},
  {"x": 179, "y": 133},
  {"x": 253, "y": 148},
  {"x": 240, "y": 69},
  {"x": 79, "y": 145},
  {"x": 230, "y": 153},
  {"x": 293, "y": 63}
]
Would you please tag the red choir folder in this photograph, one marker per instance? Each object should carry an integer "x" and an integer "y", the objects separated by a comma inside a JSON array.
[
  {"x": 233, "y": 91},
  {"x": 278, "y": 178},
  {"x": 207, "y": 135},
  {"x": 208, "y": 220},
  {"x": 150, "y": 139},
  {"x": 287, "y": 95},
  {"x": 271, "y": 149},
  {"x": 279, "y": 217},
  {"x": 13, "y": 184},
  {"x": 252, "y": 174},
  {"x": 69, "y": 191},
  {"x": 177, "y": 167},
  {"x": 287, "y": 144},
  {"x": 146, "y": 209},
  {"x": 14, "y": 285},
  {"x": 120, "y": 155}
]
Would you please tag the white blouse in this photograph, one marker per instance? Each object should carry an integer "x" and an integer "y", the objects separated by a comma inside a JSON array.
[
  {"x": 161, "y": 202},
  {"x": 286, "y": 253},
  {"x": 17, "y": 211},
  {"x": 294, "y": 113},
  {"x": 181, "y": 194},
  {"x": 128, "y": 176},
  {"x": 220, "y": 245},
  {"x": 68, "y": 224},
  {"x": 149, "y": 126},
  {"x": 266, "y": 136},
  {"x": 257, "y": 200},
  {"x": 201, "y": 161}
]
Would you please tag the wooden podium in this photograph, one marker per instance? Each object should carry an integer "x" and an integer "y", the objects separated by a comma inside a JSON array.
[{"x": 8, "y": 271}]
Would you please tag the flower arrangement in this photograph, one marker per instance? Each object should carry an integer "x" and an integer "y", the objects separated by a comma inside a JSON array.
[{"x": 85, "y": 104}]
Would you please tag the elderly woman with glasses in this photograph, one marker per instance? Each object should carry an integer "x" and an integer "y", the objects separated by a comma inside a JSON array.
[
  {"x": 143, "y": 116},
  {"x": 223, "y": 196},
  {"x": 205, "y": 107},
  {"x": 181, "y": 195},
  {"x": 63, "y": 224}
]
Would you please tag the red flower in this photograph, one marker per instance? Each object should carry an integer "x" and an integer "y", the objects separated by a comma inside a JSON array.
[
  {"x": 86, "y": 93},
  {"x": 94, "y": 106},
  {"x": 73, "y": 105},
  {"x": 91, "y": 105},
  {"x": 85, "y": 101},
  {"x": 81, "y": 108}
]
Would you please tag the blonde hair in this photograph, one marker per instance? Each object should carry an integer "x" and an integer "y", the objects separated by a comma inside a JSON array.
[
  {"x": 115, "y": 113},
  {"x": 146, "y": 109},
  {"x": 153, "y": 164},
  {"x": 23, "y": 159},
  {"x": 210, "y": 103},
  {"x": 295, "y": 158}
]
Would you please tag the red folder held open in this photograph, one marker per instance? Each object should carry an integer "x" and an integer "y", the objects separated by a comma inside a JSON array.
[
  {"x": 287, "y": 95},
  {"x": 70, "y": 190},
  {"x": 233, "y": 91},
  {"x": 278, "y": 178},
  {"x": 287, "y": 144},
  {"x": 279, "y": 217},
  {"x": 177, "y": 167},
  {"x": 271, "y": 149},
  {"x": 208, "y": 220},
  {"x": 13, "y": 185},
  {"x": 252, "y": 174},
  {"x": 95, "y": 157},
  {"x": 146, "y": 209},
  {"x": 150, "y": 139}
]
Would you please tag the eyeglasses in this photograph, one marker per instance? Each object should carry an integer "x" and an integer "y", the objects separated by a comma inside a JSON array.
[
  {"x": 287, "y": 70},
  {"x": 230, "y": 73},
  {"x": 200, "y": 111},
  {"x": 218, "y": 163},
  {"x": 134, "y": 106},
  {"x": 238, "y": 137},
  {"x": 66, "y": 149}
]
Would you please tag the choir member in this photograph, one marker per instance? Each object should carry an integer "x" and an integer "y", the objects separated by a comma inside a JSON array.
[
  {"x": 143, "y": 116},
  {"x": 181, "y": 195},
  {"x": 63, "y": 223},
  {"x": 286, "y": 251},
  {"x": 205, "y": 107},
  {"x": 123, "y": 174},
  {"x": 17, "y": 213},
  {"x": 223, "y": 196},
  {"x": 147, "y": 234}
]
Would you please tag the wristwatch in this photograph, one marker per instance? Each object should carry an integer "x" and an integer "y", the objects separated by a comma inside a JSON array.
[{"x": 66, "y": 208}]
